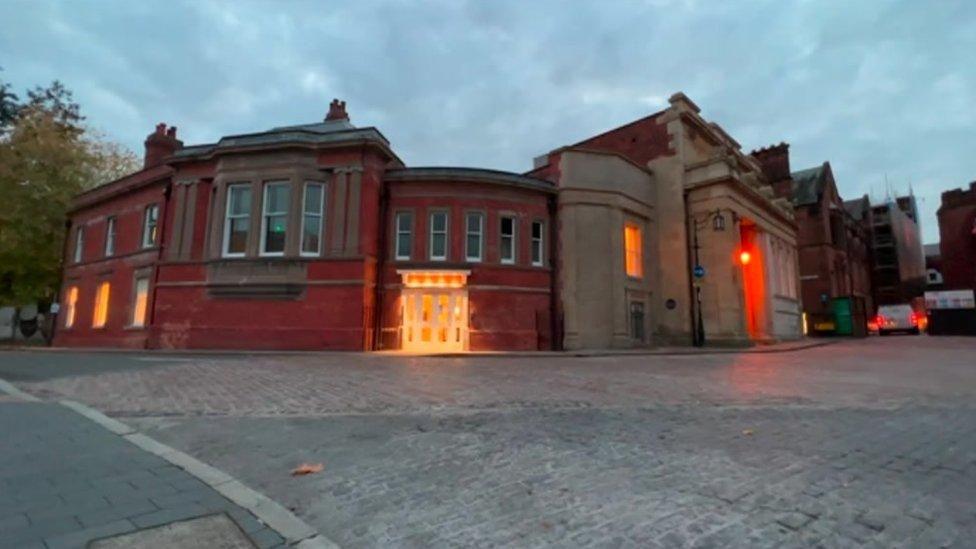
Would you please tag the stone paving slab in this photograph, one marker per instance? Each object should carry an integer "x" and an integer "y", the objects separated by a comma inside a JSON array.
[{"x": 65, "y": 481}]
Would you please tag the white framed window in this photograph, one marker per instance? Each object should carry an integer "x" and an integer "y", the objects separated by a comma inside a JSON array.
[
  {"x": 474, "y": 223},
  {"x": 537, "y": 241},
  {"x": 274, "y": 218},
  {"x": 404, "y": 235},
  {"x": 79, "y": 244},
  {"x": 110, "y": 236},
  {"x": 237, "y": 220},
  {"x": 150, "y": 224},
  {"x": 507, "y": 239},
  {"x": 313, "y": 204},
  {"x": 140, "y": 301},
  {"x": 438, "y": 236}
]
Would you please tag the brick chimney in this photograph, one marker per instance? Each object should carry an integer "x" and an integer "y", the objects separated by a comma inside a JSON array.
[
  {"x": 337, "y": 111},
  {"x": 775, "y": 162},
  {"x": 160, "y": 144}
]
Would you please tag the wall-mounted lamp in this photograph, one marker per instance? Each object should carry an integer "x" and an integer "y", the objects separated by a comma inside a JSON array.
[{"x": 718, "y": 222}]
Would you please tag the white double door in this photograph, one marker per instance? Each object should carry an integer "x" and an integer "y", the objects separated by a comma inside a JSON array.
[{"x": 435, "y": 320}]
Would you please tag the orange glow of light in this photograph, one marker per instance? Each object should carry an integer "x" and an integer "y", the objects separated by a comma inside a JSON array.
[
  {"x": 633, "y": 263},
  {"x": 753, "y": 283},
  {"x": 100, "y": 315},
  {"x": 70, "y": 307}
]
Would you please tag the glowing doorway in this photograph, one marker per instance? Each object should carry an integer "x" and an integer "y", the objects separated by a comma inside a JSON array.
[{"x": 434, "y": 311}]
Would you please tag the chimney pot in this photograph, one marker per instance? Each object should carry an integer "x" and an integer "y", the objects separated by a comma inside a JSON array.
[
  {"x": 337, "y": 111},
  {"x": 160, "y": 144}
]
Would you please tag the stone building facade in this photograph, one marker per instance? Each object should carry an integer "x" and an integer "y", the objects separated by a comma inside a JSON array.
[
  {"x": 318, "y": 236},
  {"x": 680, "y": 189}
]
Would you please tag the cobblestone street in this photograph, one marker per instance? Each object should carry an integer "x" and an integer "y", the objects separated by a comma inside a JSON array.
[{"x": 867, "y": 442}]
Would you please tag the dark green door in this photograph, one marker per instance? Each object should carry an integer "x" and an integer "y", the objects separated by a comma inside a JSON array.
[{"x": 843, "y": 319}]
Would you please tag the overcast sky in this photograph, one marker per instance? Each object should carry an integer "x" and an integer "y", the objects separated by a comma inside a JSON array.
[{"x": 876, "y": 87}]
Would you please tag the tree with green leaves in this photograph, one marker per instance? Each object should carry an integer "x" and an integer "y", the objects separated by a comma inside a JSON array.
[{"x": 47, "y": 156}]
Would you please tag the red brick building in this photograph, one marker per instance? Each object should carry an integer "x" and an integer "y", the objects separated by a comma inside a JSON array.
[
  {"x": 317, "y": 236},
  {"x": 957, "y": 238},
  {"x": 834, "y": 246},
  {"x": 308, "y": 237}
]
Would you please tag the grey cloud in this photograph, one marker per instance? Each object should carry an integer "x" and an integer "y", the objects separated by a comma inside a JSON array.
[{"x": 875, "y": 87}]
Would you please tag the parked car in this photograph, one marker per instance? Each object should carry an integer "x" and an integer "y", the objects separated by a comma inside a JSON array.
[{"x": 899, "y": 318}]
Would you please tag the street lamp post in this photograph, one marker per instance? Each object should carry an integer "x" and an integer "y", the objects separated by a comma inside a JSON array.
[{"x": 718, "y": 225}]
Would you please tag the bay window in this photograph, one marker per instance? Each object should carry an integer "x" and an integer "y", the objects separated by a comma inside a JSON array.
[
  {"x": 237, "y": 220},
  {"x": 274, "y": 218},
  {"x": 313, "y": 203}
]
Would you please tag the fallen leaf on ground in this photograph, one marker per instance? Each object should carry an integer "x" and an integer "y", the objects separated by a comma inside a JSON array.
[
  {"x": 307, "y": 469},
  {"x": 747, "y": 432}
]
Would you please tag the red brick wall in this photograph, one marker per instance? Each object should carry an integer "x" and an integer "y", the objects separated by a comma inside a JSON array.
[
  {"x": 957, "y": 241},
  {"x": 641, "y": 141},
  {"x": 119, "y": 269},
  {"x": 509, "y": 305}
]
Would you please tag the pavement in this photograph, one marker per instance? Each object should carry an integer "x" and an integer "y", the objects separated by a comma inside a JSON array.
[
  {"x": 868, "y": 443},
  {"x": 65, "y": 481}
]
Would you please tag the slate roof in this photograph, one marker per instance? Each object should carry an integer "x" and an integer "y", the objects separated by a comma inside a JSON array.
[
  {"x": 808, "y": 185},
  {"x": 855, "y": 208},
  {"x": 330, "y": 131}
]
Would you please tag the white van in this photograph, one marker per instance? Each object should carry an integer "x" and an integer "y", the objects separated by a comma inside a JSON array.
[{"x": 898, "y": 318}]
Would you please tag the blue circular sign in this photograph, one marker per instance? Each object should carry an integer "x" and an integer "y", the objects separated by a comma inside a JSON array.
[{"x": 699, "y": 271}]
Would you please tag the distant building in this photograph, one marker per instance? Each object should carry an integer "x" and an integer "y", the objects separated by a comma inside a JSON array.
[
  {"x": 898, "y": 262},
  {"x": 833, "y": 245},
  {"x": 933, "y": 267},
  {"x": 957, "y": 231}
]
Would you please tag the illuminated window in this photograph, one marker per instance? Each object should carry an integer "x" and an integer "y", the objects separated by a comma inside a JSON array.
[
  {"x": 632, "y": 251},
  {"x": 312, "y": 206},
  {"x": 537, "y": 259},
  {"x": 150, "y": 222},
  {"x": 141, "y": 298},
  {"x": 101, "y": 305},
  {"x": 237, "y": 220},
  {"x": 274, "y": 220},
  {"x": 438, "y": 236},
  {"x": 475, "y": 236},
  {"x": 507, "y": 240},
  {"x": 70, "y": 305},
  {"x": 110, "y": 236},
  {"x": 404, "y": 235},
  {"x": 79, "y": 244}
]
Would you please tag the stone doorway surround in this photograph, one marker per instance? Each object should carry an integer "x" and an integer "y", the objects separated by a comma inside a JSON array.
[{"x": 434, "y": 310}]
